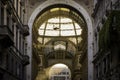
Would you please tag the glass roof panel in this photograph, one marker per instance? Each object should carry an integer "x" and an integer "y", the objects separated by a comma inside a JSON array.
[
  {"x": 73, "y": 40},
  {"x": 52, "y": 33},
  {"x": 51, "y": 26},
  {"x": 54, "y": 20},
  {"x": 79, "y": 31},
  {"x": 59, "y": 46},
  {"x": 65, "y": 20},
  {"x": 79, "y": 39},
  {"x": 46, "y": 40},
  {"x": 67, "y": 26},
  {"x": 42, "y": 26},
  {"x": 77, "y": 26},
  {"x": 40, "y": 39},
  {"x": 41, "y": 32},
  {"x": 68, "y": 33}
]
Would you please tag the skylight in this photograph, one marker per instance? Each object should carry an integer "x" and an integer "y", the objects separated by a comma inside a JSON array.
[{"x": 60, "y": 26}]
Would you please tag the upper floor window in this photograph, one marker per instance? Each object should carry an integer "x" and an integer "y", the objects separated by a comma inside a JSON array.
[{"x": 2, "y": 16}]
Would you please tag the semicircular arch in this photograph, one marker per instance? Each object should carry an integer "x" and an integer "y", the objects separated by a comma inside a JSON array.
[{"x": 88, "y": 21}]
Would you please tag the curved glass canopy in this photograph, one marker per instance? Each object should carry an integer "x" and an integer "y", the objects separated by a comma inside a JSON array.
[
  {"x": 57, "y": 24},
  {"x": 60, "y": 26}
]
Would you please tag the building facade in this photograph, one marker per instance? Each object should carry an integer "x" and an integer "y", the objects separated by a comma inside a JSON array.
[
  {"x": 82, "y": 34},
  {"x": 107, "y": 22},
  {"x": 13, "y": 46}
]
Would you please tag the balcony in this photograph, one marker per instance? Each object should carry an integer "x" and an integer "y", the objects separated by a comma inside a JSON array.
[
  {"x": 25, "y": 60},
  {"x": 6, "y": 36},
  {"x": 25, "y": 30}
]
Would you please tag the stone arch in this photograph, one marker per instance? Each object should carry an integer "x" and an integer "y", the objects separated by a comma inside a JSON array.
[
  {"x": 62, "y": 40},
  {"x": 67, "y": 65},
  {"x": 87, "y": 18}
]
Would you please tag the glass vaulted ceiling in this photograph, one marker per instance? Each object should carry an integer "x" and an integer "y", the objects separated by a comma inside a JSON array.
[
  {"x": 59, "y": 23},
  {"x": 59, "y": 26}
]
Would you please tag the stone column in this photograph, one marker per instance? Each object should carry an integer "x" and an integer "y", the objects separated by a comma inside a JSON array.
[
  {"x": 77, "y": 68},
  {"x": 5, "y": 15}
]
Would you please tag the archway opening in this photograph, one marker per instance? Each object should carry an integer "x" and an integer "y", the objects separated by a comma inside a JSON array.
[
  {"x": 78, "y": 48},
  {"x": 60, "y": 35},
  {"x": 59, "y": 72}
]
